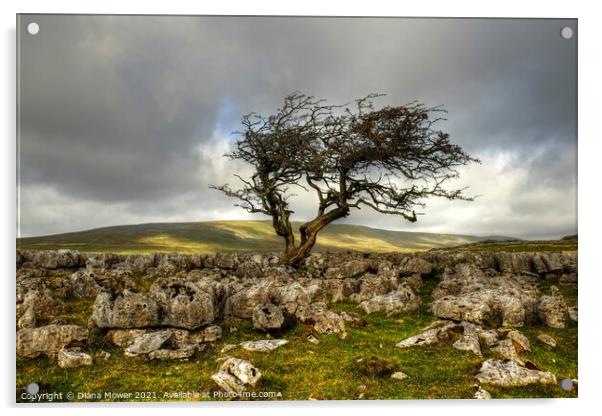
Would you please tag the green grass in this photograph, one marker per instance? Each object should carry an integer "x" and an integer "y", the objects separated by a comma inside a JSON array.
[
  {"x": 235, "y": 236},
  {"x": 330, "y": 370}
]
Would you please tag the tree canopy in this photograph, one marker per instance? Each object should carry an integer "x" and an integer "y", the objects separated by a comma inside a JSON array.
[{"x": 389, "y": 160}]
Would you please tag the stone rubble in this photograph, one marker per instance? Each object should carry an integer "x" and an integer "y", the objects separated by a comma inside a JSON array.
[
  {"x": 479, "y": 298},
  {"x": 73, "y": 358}
]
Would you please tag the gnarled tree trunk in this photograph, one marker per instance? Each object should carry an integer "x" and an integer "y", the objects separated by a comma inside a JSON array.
[{"x": 294, "y": 254}]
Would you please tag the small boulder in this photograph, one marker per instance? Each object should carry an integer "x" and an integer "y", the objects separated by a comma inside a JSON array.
[
  {"x": 323, "y": 320},
  {"x": 351, "y": 268},
  {"x": 396, "y": 302},
  {"x": 182, "y": 304},
  {"x": 227, "y": 348},
  {"x": 289, "y": 297},
  {"x": 147, "y": 343},
  {"x": 488, "y": 337},
  {"x": 205, "y": 335},
  {"x": 399, "y": 375},
  {"x": 43, "y": 303},
  {"x": 185, "y": 351},
  {"x": 508, "y": 373},
  {"x": 48, "y": 340},
  {"x": 480, "y": 393},
  {"x": 242, "y": 303},
  {"x": 469, "y": 341},
  {"x": 128, "y": 310},
  {"x": 313, "y": 339},
  {"x": 236, "y": 375},
  {"x": 416, "y": 265},
  {"x": 267, "y": 317},
  {"x": 73, "y": 357},
  {"x": 505, "y": 349},
  {"x": 552, "y": 311},
  {"x": 521, "y": 342},
  {"x": 488, "y": 307},
  {"x": 433, "y": 334},
  {"x": 124, "y": 337},
  {"x": 263, "y": 345},
  {"x": 573, "y": 313},
  {"x": 83, "y": 285},
  {"x": 28, "y": 319},
  {"x": 547, "y": 339}
]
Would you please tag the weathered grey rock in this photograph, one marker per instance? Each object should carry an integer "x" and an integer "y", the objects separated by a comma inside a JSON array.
[
  {"x": 148, "y": 342},
  {"x": 487, "y": 307},
  {"x": 83, "y": 285},
  {"x": 414, "y": 281},
  {"x": 250, "y": 269},
  {"x": 547, "y": 339},
  {"x": 180, "y": 338},
  {"x": 185, "y": 351},
  {"x": 263, "y": 345},
  {"x": 552, "y": 311},
  {"x": 313, "y": 339},
  {"x": 415, "y": 265},
  {"x": 514, "y": 263},
  {"x": 371, "y": 285},
  {"x": 226, "y": 261},
  {"x": 568, "y": 279},
  {"x": 348, "y": 269},
  {"x": 507, "y": 373},
  {"x": 43, "y": 304},
  {"x": 329, "y": 290},
  {"x": 242, "y": 303},
  {"x": 267, "y": 317},
  {"x": 323, "y": 320},
  {"x": 488, "y": 337},
  {"x": 436, "y": 332},
  {"x": 28, "y": 319},
  {"x": 129, "y": 310},
  {"x": 140, "y": 263},
  {"x": 573, "y": 313},
  {"x": 469, "y": 340},
  {"x": 236, "y": 375},
  {"x": 396, "y": 302},
  {"x": 48, "y": 340},
  {"x": 521, "y": 342},
  {"x": 182, "y": 304},
  {"x": 468, "y": 293},
  {"x": 205, "y": 335},
  {"x": 227, "y": 348},
  {"x": 399, "y": 375},
  {"x": 481, "y": 393},
  {"x": 124, "y": 337},
  {"x": 102, "y": 262},
  {"x": 290, "y": 296},
  {"x": 73, "y": 358},
  {"x": 465, "y": 278},
  {"x": 104, "y": 355},
  {"x": 50, "y": 259},
  {"x": 505, "y": 349}
]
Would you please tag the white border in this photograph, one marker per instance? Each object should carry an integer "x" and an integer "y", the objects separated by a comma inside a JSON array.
[{"x": 589, "y": 174}]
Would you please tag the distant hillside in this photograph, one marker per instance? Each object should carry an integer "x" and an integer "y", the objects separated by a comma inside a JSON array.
[{"x": 239, "y": 236}]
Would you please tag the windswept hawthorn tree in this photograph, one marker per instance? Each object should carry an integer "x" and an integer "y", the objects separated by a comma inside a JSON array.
[{"x": 388, "y": 160}]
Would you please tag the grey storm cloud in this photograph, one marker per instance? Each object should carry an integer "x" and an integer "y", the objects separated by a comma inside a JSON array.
[{"x": 125, "y": 118}]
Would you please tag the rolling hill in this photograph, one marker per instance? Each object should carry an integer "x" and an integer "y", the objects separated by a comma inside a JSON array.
[{"x": 236, "y": 236}]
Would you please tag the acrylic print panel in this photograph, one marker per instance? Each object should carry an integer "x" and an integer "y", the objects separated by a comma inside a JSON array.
[{"x": 294, "y": 208}]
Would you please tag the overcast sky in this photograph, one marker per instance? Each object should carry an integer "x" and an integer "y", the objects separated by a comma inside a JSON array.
[{"x": 125, "y": 119}]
